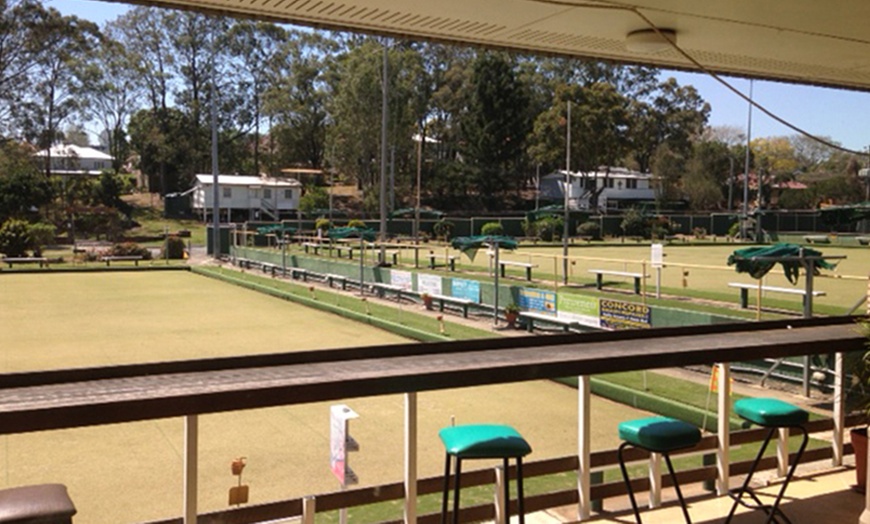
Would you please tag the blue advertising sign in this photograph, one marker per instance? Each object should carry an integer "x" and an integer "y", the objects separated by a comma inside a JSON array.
[
  {"x": 537, "y": 300},
  {"x": 467, "y": 289}
]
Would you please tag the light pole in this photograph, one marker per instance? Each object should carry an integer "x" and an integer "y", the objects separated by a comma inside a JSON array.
[
  {"x": 567, "y": 188},
  {"x": 746, "y": 169},
  {"x": 420, "y": 138},
  {"x": 383, "y": 206},
  {"x": 731, "y": 184}
]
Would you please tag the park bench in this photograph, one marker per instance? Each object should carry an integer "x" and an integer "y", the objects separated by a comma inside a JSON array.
[
  {"x": 40, "y": 503},
  {"x": 462, "y": 303},
  {"x": 451, "y": 261},
  {"x": 382, "y": 289},
  {"x": 330, "y": 279},
  {"x": 530, "y": 317},
  {"x": 270, "y": 268},
  {"x": 599, "y": 280},
  {"x": 297, "y": 272},
  {"x": 864, "y": 241},
  {"x": 744, "y": 291},
  {"x": 42, "y": 261},
  {"x": 340, "y": 249},
  {"x": 108, "y": 259},
  {"x": 315, "y": 246},
  {"x": 528, "y": 267},
  {"x": 817, "y": 239}
]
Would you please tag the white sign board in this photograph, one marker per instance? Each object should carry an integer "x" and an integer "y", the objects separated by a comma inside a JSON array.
[
  {"x": 340, "y": 443},
  {"x": 657, "y": 254},
  {"x": 430, "y": 284},
  {"x": 403, "y": 279}
]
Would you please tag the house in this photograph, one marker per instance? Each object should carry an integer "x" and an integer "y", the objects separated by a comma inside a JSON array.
[
  {"x": 248, "y": 197},
  {"x": 617, "y": 188},
  {"x": 72, "y": 160}
]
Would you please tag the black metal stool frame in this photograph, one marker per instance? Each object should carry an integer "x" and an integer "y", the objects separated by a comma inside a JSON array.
[
  {"x": 456, "y": 487},
  {"x": 771, "y": 510},
  {"x": 631, "y": 491}
]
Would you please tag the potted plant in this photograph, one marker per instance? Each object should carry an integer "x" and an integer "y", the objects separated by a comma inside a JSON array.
[
  {"x": 859, "y": 399},
  {"x": 511, "y": 314},
  {"x": 427, "y": 300}
]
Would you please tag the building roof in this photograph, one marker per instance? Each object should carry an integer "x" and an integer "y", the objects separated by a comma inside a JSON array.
[
  {"x": 801, "y": 41},
  {"x": 614, "y": 172},
  {"x": 248, "y": 181},
  {"x": 73, "y": 151}
]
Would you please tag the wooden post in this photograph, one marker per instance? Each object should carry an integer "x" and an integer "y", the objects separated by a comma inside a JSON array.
[
  {"x": 643, "y": 282},
  {"x": 308, "y": 509},
  {"x": 758, "y": 302},
  {"x": 839, "y": 410},
  {"x": 723, "y": 460},
  {"x": 410, "y": 458},
  {"x": 191, "y": 462},
  {"x": 584, "y": 446}
]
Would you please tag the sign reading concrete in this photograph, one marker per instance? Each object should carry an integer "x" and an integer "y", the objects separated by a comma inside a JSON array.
[
  {"x": 582, "y": 309},
  {"x": 467, "y": 289},
  {"x": 616, "y": 314},
  {"x": 537, "y": 300},
  {"x": 429, "y": 284},
  {"x": 403, "y": 279}
]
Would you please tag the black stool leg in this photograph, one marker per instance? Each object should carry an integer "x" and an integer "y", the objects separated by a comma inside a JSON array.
[
  {"x": 744, "y": 489},
  {"x": 520, "y": 505},
  {"x": 775, "y": 508},
  {"x": 628, "y": 481},
  {"x": 446, "y": 491},
  {"x": 677, "y": 488},
  {"x": 456, "y": 491}
]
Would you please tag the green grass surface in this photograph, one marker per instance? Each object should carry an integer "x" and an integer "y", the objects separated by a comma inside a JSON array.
[{"x": 133, "y": 472}]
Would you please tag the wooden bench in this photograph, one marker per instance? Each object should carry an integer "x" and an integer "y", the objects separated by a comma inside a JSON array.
[
  {"x": 315, "y": 246},
  {"x": 271, "y": 268},
  {"x": 817, "y": 239},
  {"x": 462, "y": 303},
  {"x": 339, "y": 249},
  {"x": 744, "y": 291},
  {"x": 382, "y": 288},
  {"x": 528, "y": 267},
  {"x": 864, "y": 241},
  {"x": 451, "y": 261},
  {"x": 108, "y": 259},
  {"x": 42, "y": 261},
  {"x": 337, "y": 278},
  {"x": 530, "y": 317},
  {"x": 599, "y": 280}
]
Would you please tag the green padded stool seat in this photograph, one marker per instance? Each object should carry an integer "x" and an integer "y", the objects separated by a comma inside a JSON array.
[
  {"x": 658, "y": 435},
  {"x": 770, "y": 412},
  {"x": 773, "y": 414},
  {"x": 482, "y": 441}
]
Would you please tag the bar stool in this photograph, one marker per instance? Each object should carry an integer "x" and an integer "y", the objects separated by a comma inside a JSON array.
[
  {"x": 658, "y": 435},
  {"x": 38, "y": 504},
  {"x": 773, "y": 414},
  {"x": 482, "y": 441}
]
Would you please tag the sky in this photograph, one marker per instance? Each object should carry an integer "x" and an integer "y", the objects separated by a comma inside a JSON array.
[{"x": 841, "y": 115}]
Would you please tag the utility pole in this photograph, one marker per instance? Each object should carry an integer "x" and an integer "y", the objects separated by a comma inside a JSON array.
[
  {"x": 746, "y": 169},
  {"x": 567, "y": 188},
  {"x": 216, "y": 207},
  {"x": 383, "y": 199}
]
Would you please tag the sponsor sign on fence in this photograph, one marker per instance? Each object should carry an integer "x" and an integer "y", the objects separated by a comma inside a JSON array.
[
  {"x": 579, "y": 308},
  {"x": 468, "y": 289},
  {"x": 537, "y": 300},
  {"x": 616, "y": 314},
  {"x": 430, "y": 284}
]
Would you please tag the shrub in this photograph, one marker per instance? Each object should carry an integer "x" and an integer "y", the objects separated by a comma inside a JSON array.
[
  {"x": 356, "y": 223},
  {"x": 128, "y": 249},
  {"x": 173, "y": 249},
  {"x": 661, "y": 227},
  {"x": 634, "y": 224},
  {"x": 492, "y": 228},
  {"x": 443, "y": 229},
  {"x": 322, "y": 224},
  {"x": 530, "y": 229},
  {"x": 699, "y": 233},
  {"x": 14, "y": 238},
  {"x": 591, "y": 230},
  {"x": 734, "y": 230},
  {"x": 550, "y": 228},
  {"x": 41, "y": 234}
]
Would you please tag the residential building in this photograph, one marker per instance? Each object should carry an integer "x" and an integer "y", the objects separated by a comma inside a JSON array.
[
  {"x": 247, "y": 197},
  {"x": 616, "y": 187},
  {"x": 72, "y": 160}
]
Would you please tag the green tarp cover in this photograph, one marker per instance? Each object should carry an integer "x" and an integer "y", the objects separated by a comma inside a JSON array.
[
  {"x": 757, "y": 261},
  {"x": 470, "y": 245},
  {"x": 275, "y": 228},
  {"x": 410, "y": 212},
  {"x": 352, "y": 232}
]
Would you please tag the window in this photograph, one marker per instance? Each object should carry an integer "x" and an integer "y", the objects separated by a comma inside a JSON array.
[
  {"x": 228, "y": 192},
  {"x": 288, "y": 194},
  {"x": 610, "y": 182},
  {"x": 267, "y": 193},
  {"x": 255, "y": 193},
  {"x": 631, "y": 183}
]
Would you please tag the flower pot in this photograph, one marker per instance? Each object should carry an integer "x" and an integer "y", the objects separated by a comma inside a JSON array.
[
  {"x": 859, "y": 444},
  {"x": 427, "y": 301},
  {"x": 511, "y": 318}
]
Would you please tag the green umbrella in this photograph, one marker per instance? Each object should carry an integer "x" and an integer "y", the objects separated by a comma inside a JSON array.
[
  {"x": 758, "y": 261},
  {"x": 470, "y": 245}
]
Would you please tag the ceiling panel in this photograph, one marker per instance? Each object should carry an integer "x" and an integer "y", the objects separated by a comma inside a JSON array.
[{"x": 804, "y": 41}]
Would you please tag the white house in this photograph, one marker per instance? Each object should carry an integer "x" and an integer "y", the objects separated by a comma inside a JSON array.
[
  {"x": 255, "y": 197},
  {"x": 618, "y": 188},
  {"x": 68, "y": 159}
]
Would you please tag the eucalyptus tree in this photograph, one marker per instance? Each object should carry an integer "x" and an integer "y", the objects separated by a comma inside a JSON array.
[{"x": 19, "y": 22}]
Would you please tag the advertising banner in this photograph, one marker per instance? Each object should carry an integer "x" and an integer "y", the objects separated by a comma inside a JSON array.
[
  {"x": 403, "y": 279},
  {"x": 537, "y": 300},
  {"x": 615, "y": 314},
  {"x": 467, "y": 289},
  {"x": 579, "y": 308},
  {"x": 428, "y": 284}
]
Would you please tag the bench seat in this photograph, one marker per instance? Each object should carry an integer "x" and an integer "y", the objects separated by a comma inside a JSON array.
[
  {"x": 530, "y": 317},
  {"x": 744, "y": 291},
  {"x": 599, "y": 280},
  {"x": 37, "y": 504},
  {"x": 463, "y": 303}
]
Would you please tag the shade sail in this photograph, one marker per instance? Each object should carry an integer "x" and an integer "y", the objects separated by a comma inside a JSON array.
[{"x": 758, "y": 261}]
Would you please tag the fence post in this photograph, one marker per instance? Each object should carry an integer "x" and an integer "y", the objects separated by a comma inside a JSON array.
[
  {"x": 584, "y": 447},
  {"x": 308, "y": 509},
  {"x": 839, "y": 410},
  {"x": 410, "y": 458},
  {"x": 501, "y": 478},
  {"x": 723, "y": 460},
  {"x": 191, "y": 463}
]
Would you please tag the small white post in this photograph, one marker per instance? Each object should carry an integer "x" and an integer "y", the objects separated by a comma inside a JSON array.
[
  {"x": 410, "y": 458},
  {"x": 723, "y": 460},
  {"x": 191, "y": 450},
  {"x": 500, "y": 502},
  {"x": 839, "y": 410},
  {"x": 782, "y": 452},
  {"x": 584, "y": 446},
  {"x": 655, "y": 480},
  {"x": 308, "y": 509}
]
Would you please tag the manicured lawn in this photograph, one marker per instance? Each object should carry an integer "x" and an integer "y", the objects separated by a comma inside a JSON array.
[{"x": 133, "y": 472}]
